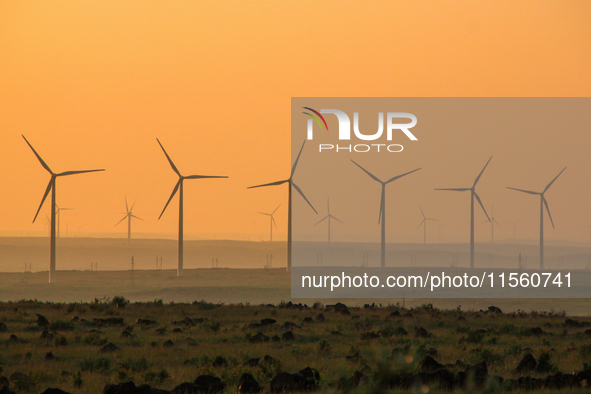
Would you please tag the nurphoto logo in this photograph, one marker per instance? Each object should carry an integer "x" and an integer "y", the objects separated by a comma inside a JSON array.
[{"x": 344, "y": 132}]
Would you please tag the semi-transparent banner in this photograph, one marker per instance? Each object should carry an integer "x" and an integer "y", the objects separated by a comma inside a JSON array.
[{"x": 440, "y": 197}]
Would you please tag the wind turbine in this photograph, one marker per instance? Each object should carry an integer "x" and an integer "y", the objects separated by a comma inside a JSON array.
[
  {"x": 492, "y": 221},
  {"x": 543, "y": 203},
  {"x": 58, "y": 210},
  {"x": 51, "y": 188},
  {"x": 179, "y": 185},
  {"x": 514, "y": 226},
  {"x": 291, "y": 183},
  {"x": 329, "y": 216},
  {"x": 272, "y": 221},
  {"x": 424, "y": 224},
  {"x": 382, "y": 216},
  {"x": 129, "y": 216},
  {"x": 472, "y": 195}
]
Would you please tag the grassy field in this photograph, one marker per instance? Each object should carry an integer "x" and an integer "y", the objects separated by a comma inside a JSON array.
[{"x": 362, "y": 341}]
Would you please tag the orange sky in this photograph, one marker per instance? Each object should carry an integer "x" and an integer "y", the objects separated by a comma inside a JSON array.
[{"x": 92, "y": 84}]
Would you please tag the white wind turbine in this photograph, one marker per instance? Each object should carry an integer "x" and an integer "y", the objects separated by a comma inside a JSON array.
[
  {"x": 382, "y": 216},
  {"x": 543, "y": 203},
  {"x": 424, "y": 224},
  {"x": 291, "y": 183},
  {"x": 51, "y": 187},
  {"x": 129, "y": 216},
  {"x": 473, "y": 195},
  {"x": 272, "y": 220},
  {"x": 179, "y": 187},
  {"x": 492, "y": 221},
  {"x": 329, "y": 217}
]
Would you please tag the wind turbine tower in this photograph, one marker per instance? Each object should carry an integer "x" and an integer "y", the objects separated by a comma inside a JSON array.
[
  {"x": 179, "y": 188},
  {"x": 382, "y": 216},
  {"x": 473, "y": 195},
  {"x": 543, "y": 203},
  {"x": 51, "y": 188}
]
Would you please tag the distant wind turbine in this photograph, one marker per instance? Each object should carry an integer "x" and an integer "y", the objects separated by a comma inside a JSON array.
[
  {"x": 329, "y": 217},
  {"x": 179, "y": 185},
  {"x": 382, "y": 216},
  {"x": 291, "y": 183},
  {"x": 424, "y": 224},
  {"x": 129, "y": 216},
  {"x": 492, "y": 222},
  {"x": 543, "y": 203},
  {"x": 514, "y": 226},
  {"x": 272, "y": 221},
  {"x": 58, "y": 210},
  {"x": 472, "y": 195},
  {"x": 440, "y": 225},
  {"x": 51, "y": 188}
]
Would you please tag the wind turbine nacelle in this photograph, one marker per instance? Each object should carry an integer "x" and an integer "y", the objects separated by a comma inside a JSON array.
[{"x": 391, "y": 126}]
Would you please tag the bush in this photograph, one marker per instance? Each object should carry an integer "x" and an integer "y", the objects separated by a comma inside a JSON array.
[
  {"x": 99, "y": 365},
  {"x": 59, "y": 325}
]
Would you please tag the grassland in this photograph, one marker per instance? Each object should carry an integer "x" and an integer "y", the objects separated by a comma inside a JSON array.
[{"x": 362, "y": 340}]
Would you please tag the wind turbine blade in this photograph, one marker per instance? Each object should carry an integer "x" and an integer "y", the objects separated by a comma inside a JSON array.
[
  {"x": 481, "y": 205},
  {"x": 302, "y": 194},
  {"x": 328, "y": 205},
  {"x": 422, "y": 211},
  {"x": 133, "y": 216},
  {"x": 47, "y": 190},
  {"x": 375, "y": 178},
  {"x": 204, "y": 176},
  {"x": 486, "y": 221},
  {"x": 269, "y": 184},
  {"x": 457, "y": 189},
  {"x": 126, "y": 207},
  {"x": 548, "y": 210},
  {"x": 495, "y": 220},
  {"x": 479, "y": 175},
  {"x": 124, "y": 217},
  {"x": 295, "y": 164},
  {"x": 273, "y": 220},
  {"x": 176, "y": 188},
  {"x": 169, "y": 159},
  {"x": 322, "y": 220},
  {"x": 524, "y": 191},
  {"x": 38, "y": 157},
  {"x": 400, "y": 176},
  {"x": 336, "y": 219},
  {"x": 550, "y": 184},
  {"x": 420, "y": 224},
  {"x": 276, "y": 209},
  {"x": 432, "y": 219},
  {"x": 76, "y": 172},
  {"x": 132, "y": 205},
  {"x": 263, "y": 213}
]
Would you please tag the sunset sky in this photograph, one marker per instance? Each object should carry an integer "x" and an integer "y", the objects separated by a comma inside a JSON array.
[{"x": 93, "y": 84}]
